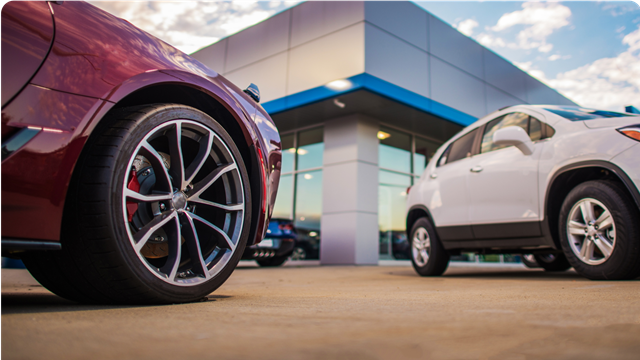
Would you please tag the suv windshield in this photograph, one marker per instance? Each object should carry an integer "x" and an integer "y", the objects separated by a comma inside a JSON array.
[{"x": 579, "y": 114}]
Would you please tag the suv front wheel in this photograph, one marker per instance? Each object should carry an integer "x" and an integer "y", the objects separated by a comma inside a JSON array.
[
  {"x": 600, "y": 232},
  {"x": 428, "y": 256}
]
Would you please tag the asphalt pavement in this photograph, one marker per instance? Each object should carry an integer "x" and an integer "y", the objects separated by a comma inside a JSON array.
[{"x": 340, "y": 312}]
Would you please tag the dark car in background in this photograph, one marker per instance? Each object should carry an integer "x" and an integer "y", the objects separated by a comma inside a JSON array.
[
  {"x": 131, "y": 172},
  {"x": 277, "y": 245}
]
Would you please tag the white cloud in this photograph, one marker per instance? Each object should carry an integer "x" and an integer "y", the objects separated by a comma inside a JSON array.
[
  {"x": 539, "y": 20},
  {"x": 466, "y": 26},
  {"x": 607, "y": 83},
  {"x": 554, "y": 57},
  {"x": 191, "y": 25}
]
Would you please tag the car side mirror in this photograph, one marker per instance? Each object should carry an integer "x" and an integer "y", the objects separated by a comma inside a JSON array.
[{"x": 516, "y": 136}]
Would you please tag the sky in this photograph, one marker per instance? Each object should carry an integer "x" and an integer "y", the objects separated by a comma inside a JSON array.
[{"x": 589, "y": 51}]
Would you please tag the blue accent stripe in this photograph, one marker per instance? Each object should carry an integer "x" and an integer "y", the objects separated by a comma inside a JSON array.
[{"x": 377, "y": 86}]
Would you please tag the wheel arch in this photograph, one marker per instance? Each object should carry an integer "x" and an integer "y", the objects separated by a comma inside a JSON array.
[
  {"x": 570, "y": 176},
  {"x": 158, "y": 87},
  {"x": 416, "y": 212}
]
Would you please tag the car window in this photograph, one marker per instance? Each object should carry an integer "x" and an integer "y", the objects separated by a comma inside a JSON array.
[
  {"x": 535, "y": 129},
  {"x": 580, "y": 114},
  {"x": 459, "y": 149}
]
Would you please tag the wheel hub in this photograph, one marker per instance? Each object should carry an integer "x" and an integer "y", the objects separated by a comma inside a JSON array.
[{"x": 179, "y": 200}]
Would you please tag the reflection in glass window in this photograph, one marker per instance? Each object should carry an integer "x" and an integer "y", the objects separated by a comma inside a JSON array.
[
  {"x": 284, "y": 200},
  {"x": 535, "y": 129},
  {"x": 423, "y": 153},
  {"x": 461, "y": 148},
  {"x": 579, "y": 114},
  {"x": 391, "y": 221},
  {"x": 391, "y": 178},
  {"x": 308, "y": 200},
  {"x": 513, "y": 119},
  {"x": 288, "y": 152},
  {"x": 310, "y": 149},
  {"x": 394, "y": 151}
]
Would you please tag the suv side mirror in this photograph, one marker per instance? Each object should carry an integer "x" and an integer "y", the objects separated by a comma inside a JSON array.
[{"x": 516, "y": 136}]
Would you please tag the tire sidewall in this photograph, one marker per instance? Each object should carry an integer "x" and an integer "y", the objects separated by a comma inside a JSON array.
[
  {"x": 605, "y": 193},
  {"x": 144, "y": 125},
  {"x": 437, "y": 253}
]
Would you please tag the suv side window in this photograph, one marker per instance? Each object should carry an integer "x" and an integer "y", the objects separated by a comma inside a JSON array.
[
  {"x": 536, "y": 129},
  {"x": 459, "y": 149}
]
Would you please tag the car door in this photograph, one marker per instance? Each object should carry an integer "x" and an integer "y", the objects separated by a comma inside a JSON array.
[
  {"x": 448, "y": 199},
  {"x": 503, "y": 183},
  {"x": 27, "y": 33}
]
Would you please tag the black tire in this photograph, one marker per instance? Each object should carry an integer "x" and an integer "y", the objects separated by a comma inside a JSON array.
[
  {"x": 552, "y": 262},
  {"x": 98, "y": 262},
  {"x": 529, "y": 261},
  {"x": 437, "y": 259},
  {"x": 620, "y": 238},
  {"x": 272, "y": 262}
]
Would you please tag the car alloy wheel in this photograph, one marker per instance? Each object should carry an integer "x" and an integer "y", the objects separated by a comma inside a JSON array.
[
  {"x": 187, "y": 197},
  {"x": 591, "y": 231},
  {"x": 421, "y": 247}
]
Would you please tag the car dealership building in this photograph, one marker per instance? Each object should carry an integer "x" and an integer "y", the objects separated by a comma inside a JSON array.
[{"x": 363, "y": 94}]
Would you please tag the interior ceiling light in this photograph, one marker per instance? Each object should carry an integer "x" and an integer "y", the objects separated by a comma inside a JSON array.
[
  {"x": 339, "y": 84},
  {"x": 302, "y": 152},
  {"x": 383, "y": 135},
  {"x": 308, "y": 176},
  {"x": 339, "y": 103}
]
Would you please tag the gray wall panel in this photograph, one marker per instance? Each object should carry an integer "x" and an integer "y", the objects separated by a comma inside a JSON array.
[
  {"x": 497, "y": 99},
  {"x": 504, "y": 75},
  {"x": 213, "y": 55},
  {"x": 454, "y": 47},
  {"x": 314, "y": 19},
  {"x": 457, "y": 89},
  {"x": 269, "y": 74},
  {"x": 401, "y": 18},
  {"x": 539, "y": 93},
  {"x": 393, "y": 60},
  {"x": 258, "y": 42},
  {"x": 335, "y": 56}
]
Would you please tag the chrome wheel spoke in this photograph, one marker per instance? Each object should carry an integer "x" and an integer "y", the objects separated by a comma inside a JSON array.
[
  {"x": 227, "y": 207},
  {"x": 605, "y": 247},
  {"x": 157, "y": 162},
  {"x": 203, "y": 154},
  {"x": 175, "y": 251},
  {"x": 576, "y": 228},
  {"x": 177, "y": 161},
  {"x": 137, "y": 197},
  {"x": 232, "y": 246},
  {"x": 142, "y": 236},
  {"x": 586, "y": 207},
  {"x": 604, "y": 221},
  {"x": 193, "y": 246},
  {"x": 586, "y": 253},
  {"x": 205, "y": 183}
]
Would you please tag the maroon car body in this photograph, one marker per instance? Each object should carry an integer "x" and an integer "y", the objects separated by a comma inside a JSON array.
[
  {"x": 65, "y": 65},
  {"x": 64, "y": 72}
]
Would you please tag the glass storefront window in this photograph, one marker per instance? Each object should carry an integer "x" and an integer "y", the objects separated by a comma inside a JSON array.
[
  {"x": 424, "y": 150},
  {"x": 284, "y": 200},
  {"x": 310, "y": 149},
  {"x": 394, "y": 151},
  {"x": 288, "y": 153},
  {"x": 391, "y": 221}
]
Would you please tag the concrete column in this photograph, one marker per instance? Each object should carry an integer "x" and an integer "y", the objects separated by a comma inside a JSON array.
[{"x": 349, "y": 230}]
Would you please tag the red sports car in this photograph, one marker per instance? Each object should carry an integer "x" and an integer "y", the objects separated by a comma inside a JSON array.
[{"x": 131, "y": 173}]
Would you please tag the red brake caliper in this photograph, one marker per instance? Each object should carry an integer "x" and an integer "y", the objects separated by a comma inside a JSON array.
[{"x": 133, "y": 185}]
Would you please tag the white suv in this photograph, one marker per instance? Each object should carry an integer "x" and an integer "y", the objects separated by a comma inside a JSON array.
[{"x": 557, "y": 182}]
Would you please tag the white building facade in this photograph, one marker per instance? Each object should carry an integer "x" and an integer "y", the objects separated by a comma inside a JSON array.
[{"x": 363, "y": 93}]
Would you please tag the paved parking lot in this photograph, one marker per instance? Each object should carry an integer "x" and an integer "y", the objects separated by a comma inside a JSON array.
[{"x": 340, "y": 312}]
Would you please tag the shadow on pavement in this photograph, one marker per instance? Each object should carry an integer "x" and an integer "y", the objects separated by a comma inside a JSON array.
[
  {"x": 33, "y": 303},
  {"x": 498, "y": 274}
]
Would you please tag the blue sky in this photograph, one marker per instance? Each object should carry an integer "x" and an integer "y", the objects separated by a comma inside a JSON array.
[{"x": 587, "y": 50}]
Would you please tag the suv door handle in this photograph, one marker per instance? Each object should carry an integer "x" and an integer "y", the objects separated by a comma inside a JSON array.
[
  {"x": 476, "y": 169},
  {"x": 433, "y": 176}
]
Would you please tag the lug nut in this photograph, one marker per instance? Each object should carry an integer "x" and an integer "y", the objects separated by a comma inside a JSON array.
[
  {"x": 147, "y": 172},
  {"x": 162, "y": 206}
]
